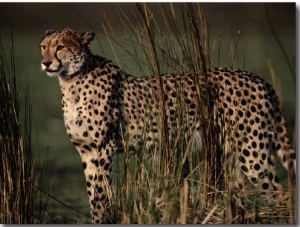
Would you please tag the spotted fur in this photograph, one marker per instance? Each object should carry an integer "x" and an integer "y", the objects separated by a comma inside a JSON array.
[{"x": 100, "y": 101}]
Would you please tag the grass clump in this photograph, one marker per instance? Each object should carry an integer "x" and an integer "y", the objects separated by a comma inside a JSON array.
[{"x": 19, "y": 199}]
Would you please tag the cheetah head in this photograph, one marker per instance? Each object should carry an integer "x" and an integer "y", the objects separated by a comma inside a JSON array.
[{"x": 64, "y": 51}]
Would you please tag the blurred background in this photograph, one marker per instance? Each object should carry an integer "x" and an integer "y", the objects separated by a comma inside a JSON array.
[{"x": 251, "y": 29}]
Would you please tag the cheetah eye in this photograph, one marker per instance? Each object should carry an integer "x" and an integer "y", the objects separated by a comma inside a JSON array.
[
  {"x": 60, "y": 47},
  {"x": 43, "y": 47}
]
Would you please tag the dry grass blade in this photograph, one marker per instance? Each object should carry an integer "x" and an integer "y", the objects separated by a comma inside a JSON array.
[
  {"x": 209, "y": 214},
  {"x": 156, "y": 71}
]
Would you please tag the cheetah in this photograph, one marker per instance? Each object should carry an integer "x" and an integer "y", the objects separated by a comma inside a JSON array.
[{"x": 101, "y": 103}]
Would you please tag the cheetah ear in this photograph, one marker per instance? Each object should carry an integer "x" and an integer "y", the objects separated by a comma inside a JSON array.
[
  {"x": 49, "y": 32},
  {"x": 87, "y": 38}
]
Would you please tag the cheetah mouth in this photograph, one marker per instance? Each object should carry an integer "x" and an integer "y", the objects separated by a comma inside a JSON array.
[{"x": 51, "y": 71}]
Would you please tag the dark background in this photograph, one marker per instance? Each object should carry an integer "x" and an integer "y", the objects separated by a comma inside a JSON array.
[{"x": 257, "y": 49}]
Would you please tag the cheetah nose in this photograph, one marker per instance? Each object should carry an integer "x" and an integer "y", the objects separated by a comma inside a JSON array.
[{"x": 47, "y": 63}]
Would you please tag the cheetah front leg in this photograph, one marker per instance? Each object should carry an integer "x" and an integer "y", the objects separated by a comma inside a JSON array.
[{"x": 97, "y": 165}]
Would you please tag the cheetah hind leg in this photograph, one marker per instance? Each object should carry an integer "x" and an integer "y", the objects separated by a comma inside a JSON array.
[{"x": 236, "y": 211}]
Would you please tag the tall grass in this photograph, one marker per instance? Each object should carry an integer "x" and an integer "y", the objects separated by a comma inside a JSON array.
[
  {"x": 19, "y": 199},
  {"x": 177, "y": 185}
]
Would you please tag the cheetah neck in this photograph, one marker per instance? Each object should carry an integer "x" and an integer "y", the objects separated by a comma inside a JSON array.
[{"x": 88, "y": 64}]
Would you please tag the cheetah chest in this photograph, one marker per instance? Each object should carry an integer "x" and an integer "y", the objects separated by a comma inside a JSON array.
[{"x": 74, "y": 121}]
